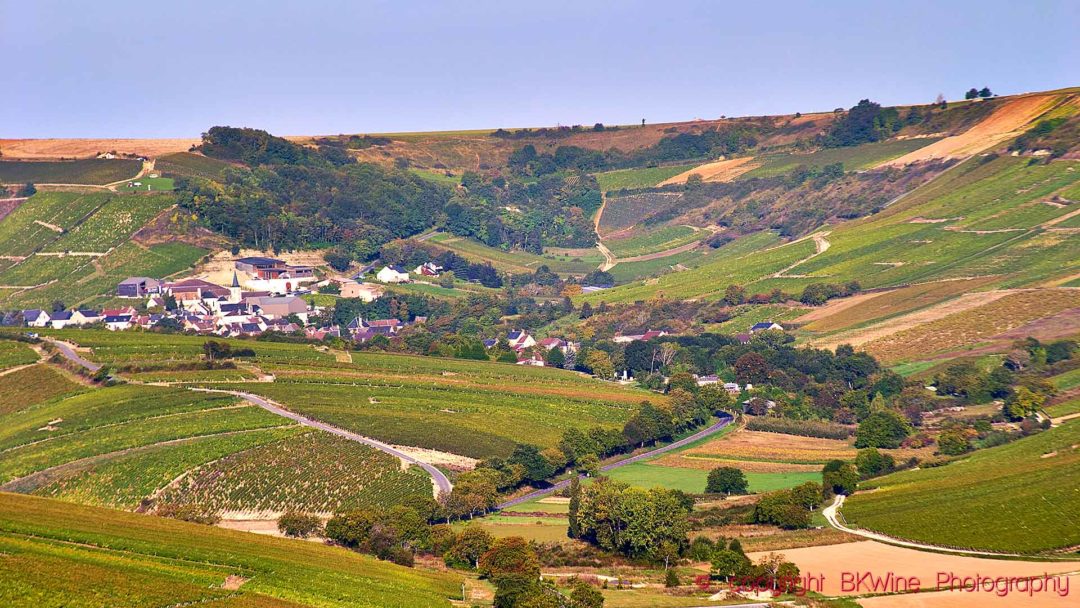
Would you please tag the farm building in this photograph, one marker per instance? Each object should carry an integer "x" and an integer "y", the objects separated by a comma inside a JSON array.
[
  {"x": 765, "y": 326},
  {"x": 137, "y": 287},
  {"x": 280, "y": 306},
  {"x": 365, "y": 291},
  {"x": 645, "y": 337},
  {"x": 393, "y": 274},
  {"x": 428, "y": 269}
]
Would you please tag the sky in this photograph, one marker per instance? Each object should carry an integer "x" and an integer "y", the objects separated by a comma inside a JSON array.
[{"x": 154, "y": 69}]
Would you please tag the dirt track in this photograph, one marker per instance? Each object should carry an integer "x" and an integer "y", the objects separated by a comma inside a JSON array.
[
  {"x": 716, "y": 171},
  {"x": 1004, "y": 123}
]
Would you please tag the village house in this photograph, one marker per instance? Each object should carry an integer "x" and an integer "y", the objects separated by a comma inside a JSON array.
[
  {"x": 36, "y": 318},
  {"x": 520, "y": 340},
  {"x": 118, "y": 322},
  {"x": 85, "y": 316},
  {"x": 393, "y": 274},
  {"x": 645, "y": 337},
  {"x": 367, "y": 292},
  {"x": 707, "y": 380},
  {"x": 559, "y": 343},
  {"x": 428, "y": 269},
  {"x": 282, "y": 306},
  {"x": 137, "y": 287},
  {"x": 60, "y": 320},
  {"x": 532, "y": 361}
]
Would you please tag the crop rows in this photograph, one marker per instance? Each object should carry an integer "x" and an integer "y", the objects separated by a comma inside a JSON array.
[
  {"x": 15, "y": 353},
  {"x": 95, "y": 171},
  {"x": 113, "y": 558},
  {"x": 20, "y": 232},
  {"x": 1019, "y": 497},
  {"x": 123, "y": 482},
  {"x": 314, "y": 472},
  {"x": 23, "y": 388},
  {"x": 652, "y": 240},
  {"x": 112, "y": 224}
]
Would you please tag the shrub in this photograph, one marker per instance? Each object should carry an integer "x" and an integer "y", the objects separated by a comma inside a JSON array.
[{"x": 299, "y": 525}]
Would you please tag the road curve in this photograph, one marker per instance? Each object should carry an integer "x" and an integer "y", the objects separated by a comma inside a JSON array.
[
  {"x": 724, "y": 421},
  {"x": 71, "y": 355},
  {"x": 442, "y": 483},
  {"x": 830, "y": 512}
]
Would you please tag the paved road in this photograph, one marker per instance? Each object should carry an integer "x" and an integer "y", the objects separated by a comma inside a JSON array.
[
  {"x": 67, "y": 351},
  {"x": 442, "y": 483},
  {"x": 830, "y": 512},
  {"x": 724, "y": 421}
]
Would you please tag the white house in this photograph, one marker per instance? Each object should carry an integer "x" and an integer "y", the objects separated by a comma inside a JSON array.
[
  {"x": 520, "y": 340},
  {"x": 118, "y": 322},
  {"x": 36, "y": 318},
  {"x": 393, "y": 274}
]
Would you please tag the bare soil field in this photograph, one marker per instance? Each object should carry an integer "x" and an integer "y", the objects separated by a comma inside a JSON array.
[
  {"x": 1061, "y": 325},
  {"x": 759, "y": 445},
  {"x": 952, "y": 599},
  {"x": 861, "y": 308},
  {"x": 880, "y": 559},
  {"x": 895, "y": 325},
  {"x": 974, "y": 325},
  {"x": 86, "y": 148},
  {"x": 1004, "y": 123},
  {"x": 717, "y": 171}
]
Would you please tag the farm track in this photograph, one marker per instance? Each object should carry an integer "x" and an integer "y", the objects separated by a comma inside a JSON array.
[
  {"x": 439, "y": 480},
  {"x": 614, "y": 465}
]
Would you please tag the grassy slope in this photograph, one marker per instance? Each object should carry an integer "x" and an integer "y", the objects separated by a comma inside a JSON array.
[
  {"x": 1010, "y": 498},
  {"x": 853, "y": 158},
  {"x": 61, "y": 554},
  {"x": 515, "y": 261},
  {"x": 645, "y": 177}
]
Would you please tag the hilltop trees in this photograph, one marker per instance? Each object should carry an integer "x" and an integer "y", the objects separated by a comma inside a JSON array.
[{"x": 865, "y": 122}]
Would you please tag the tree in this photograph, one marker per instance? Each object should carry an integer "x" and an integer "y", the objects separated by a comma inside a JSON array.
[
  {"x": 537, "y": 468},
  {"x": 299, "y": 525},
  {"x": 734, "y": 295},
  {"x": 954, "y": 441},
  {"x": 972, "y": 93},
  {"x": 840, "y": 477},
  {"x": 751, "y": 368},
  {"x": 985, "y": 92},
  {"x": 509, "y": 555},
  {"x": 27, "y": 190},
  {"x": 600, "y": 363},
  {"x": 585, "y": 596},
  {"x": 1023, "y": 403},
  {"x": 781, "y": 509},
  {"x": 555, "y": 357},
  {"x": 671, "y": 579},
  {"x": 726, "y": 480},
  {"x": 727, "y": 563},
  {"x": 871, "y": 463},
  {"x": 472, "y": 543},
  {"x": 883, "y": 429},
  {"x": 714, "y": 398},
  {"x": 518, "y": 590},
  {"x": 588, "y": 465},
  {"x": 574, "y": 509},
  {"x": 807, "y": 495}
]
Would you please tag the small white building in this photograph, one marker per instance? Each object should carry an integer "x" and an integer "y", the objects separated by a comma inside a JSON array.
[{"x": 393, "y": 274}]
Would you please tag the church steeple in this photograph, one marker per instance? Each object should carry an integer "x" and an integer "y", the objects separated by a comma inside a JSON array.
[
  {"x": 235, "y": 294},
  {"x": 235, "y": 281}
]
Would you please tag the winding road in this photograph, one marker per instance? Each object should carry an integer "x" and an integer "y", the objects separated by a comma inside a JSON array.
[
  {"x": 724, "y": 421},
  {"x": 439, "y": 480}
]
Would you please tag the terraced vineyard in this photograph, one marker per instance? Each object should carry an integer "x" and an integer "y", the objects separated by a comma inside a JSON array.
[
  {"x": 57, "y": 554},
  {"x": 313, "y": 472},
  {"x": 103, "y": 421},
  {"x": 660, "y": 239},
  {"x": 1018, "y": 497},
  {"x": 190, "y": 165},
  {"x": 97, "y": 228},
  {"x": 985, "y": 217}
]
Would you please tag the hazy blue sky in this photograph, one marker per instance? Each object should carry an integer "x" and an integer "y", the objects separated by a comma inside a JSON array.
[{"x": 156, "y": 69}]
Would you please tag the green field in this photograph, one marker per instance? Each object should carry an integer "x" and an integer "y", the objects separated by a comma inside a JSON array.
[
  {"x": 25, "y": 231},
  {"x": 438, "y": 177},
  {"x": 59, "y": 554},
  {"x": 190, "y": 165},
  {"x": 515, "y": 261},
  {"x": 646, "y": 177},
  {"x": 147, "y": 184},
  {"x": 111, "y": 224},
  {"x": 13, "y": 354},
  {"x": 1021, "y": 497},
  {"x": 654, "y": 240},
  {"x": 647, "y": 475},
  {"x": 853, "y": 158},
  {"x": 1065, "y": 408},
  {"x": 97, "y": 171},
  {"x": 1067, "y": 380}
]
